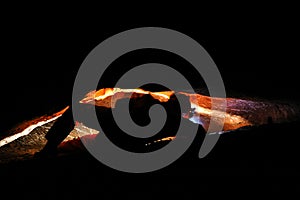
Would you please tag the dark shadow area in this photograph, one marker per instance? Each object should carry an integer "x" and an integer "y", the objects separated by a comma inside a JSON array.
[{"x": 248, "y": 154}]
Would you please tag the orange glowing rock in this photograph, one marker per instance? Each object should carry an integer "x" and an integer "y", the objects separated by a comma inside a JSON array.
[
  {"x": 237, "y": 113},
  {"x": 201, "y": 104},
  {"x": 26, "y": 127},
  {"x": 107, "y": 97}
]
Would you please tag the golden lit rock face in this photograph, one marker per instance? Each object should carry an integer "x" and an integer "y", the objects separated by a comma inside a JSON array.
[
  {"x": 107, "y": 97},
  {"x": 239, "y": 112},
  {"x": 26, "y": 127},
  {"x": 202, "y": 106}
]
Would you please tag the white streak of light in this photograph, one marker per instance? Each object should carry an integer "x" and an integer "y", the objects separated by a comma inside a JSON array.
[
  {"x": 25, "y": 131},
  {"x": 234, "y": 119}
]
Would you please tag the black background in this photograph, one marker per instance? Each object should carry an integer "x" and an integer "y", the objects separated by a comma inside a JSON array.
[
  {"x": 255, "y": 49},
  {"x": 41, "y": 53}
]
